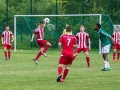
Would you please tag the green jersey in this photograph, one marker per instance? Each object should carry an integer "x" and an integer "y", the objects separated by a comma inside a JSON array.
[
  {"x": 104, "y": 37},
  {"x": 64, "y": 32}
]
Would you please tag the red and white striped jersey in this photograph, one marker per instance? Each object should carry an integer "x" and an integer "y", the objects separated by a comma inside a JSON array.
[
  {"x": 82, "y": 38},
  {"x": 116, "y": 37},
  {"x": 39, "y": 32},
  {"x": 6, "y": 37}
]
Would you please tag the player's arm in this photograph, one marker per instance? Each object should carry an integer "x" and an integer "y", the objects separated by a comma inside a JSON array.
[
  {"x": 89, "y": 43},
  {"x": 32, "y": 37},
  {"x": 60, "y": 46},
  {"x": 75, "y": 48},
  {"x": 2, "y": 39},
  {"x": 12, "y": 38},
  {"x": 112, "y": 39}
]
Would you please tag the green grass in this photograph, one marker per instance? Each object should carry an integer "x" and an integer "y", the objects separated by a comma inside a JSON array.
[{"x": 21, "y": 73}]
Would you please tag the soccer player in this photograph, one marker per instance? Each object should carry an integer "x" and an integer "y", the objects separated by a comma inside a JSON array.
[
  {"x": 7, "y": 39},
  {"x": 43, "y": 44},
  {"x": 116, "y": 47},
  {"x": 82, "y": 39},
  {"x": 64, "y": 31},
  {"x": 105, "y": 43},
  {"x": 67, "y": 45}
]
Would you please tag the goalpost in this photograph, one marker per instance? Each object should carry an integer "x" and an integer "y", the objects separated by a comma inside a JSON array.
[{"x": 66, "y": 15}]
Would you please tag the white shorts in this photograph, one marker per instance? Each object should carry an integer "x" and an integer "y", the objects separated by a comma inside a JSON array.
[{"x": 106, "y": 49}]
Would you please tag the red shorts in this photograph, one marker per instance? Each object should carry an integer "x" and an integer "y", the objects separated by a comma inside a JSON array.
[
  {"x": 41, "y": 43},
  {"x": 116, "y": 46},
  {"x": 65, "y": 60},
  {"x": 7, "y": 46},
  {"x": 82, "y": 49}
]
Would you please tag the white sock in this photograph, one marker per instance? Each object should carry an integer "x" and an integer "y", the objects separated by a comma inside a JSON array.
[
  {"x": 108, "y": 65},
  {"x": 105, "y": 64}
]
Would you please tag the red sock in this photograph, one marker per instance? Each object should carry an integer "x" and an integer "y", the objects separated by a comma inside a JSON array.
[
  {"x": 114, "y": 55},
  {"x": 46, "y": 48},
  {"x": 38, "y": 55},
  {"x": 9, "y": 54},
  {"x": 118, "y": 55},
  {"x": 88, "y": 61},
  {"x": 5, "y": 53},
  {"x": 60, "y": 70},
  {"x": 65, "y": 73}
]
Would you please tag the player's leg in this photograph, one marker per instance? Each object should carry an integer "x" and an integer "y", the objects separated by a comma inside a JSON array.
[
  {"x": 9, "y": 53},
  {"x": 39, "y": 53},
  {"x": 66, "y": 71},
  {"x": 87, "y": 56},
  {"x": 75, "y": 54},
  {"x": 46, "y": 47},
  {"x": 5, "y": 51},
  {"x": 67, "y": 66},
  {"x": 105, "y": 51},
  {"x": 114, "y": 52},
  {"x": 60, "y": 68}
]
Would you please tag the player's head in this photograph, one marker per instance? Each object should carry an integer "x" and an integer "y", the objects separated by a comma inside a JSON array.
[
  {"x": 82, "y": 28},
  {"x": 42, "y": 24},
  {"x": 68, "y": 29},
  {"x": 117, "y": 28},
  {"x": 97, "y": 27},
  {"x": 7, "y": 28}
]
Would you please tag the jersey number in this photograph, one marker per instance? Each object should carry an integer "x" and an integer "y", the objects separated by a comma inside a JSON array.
[{"x": 68, "y": 42}]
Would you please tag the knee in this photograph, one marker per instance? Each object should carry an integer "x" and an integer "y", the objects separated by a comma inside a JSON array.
[{"x": 49, "y": 44}]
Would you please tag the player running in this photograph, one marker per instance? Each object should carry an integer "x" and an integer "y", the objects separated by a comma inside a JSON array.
[
  {"x": 116, "y": 47},
  {"x": 7, "y": 39},
  {"x": 105, "y": 43},
  {"x": 43, "y": 44},
  {"x": 82, "y": 39},
  {"x": 67, "y": 45}
]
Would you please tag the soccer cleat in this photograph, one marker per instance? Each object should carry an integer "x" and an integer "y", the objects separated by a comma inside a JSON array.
[
  {"x": 35, "y": 61},
  {"x": 6, "y": 58},
  {"x": 44, "y": 54},
  {"x": 108, "y": 69},
  {"x": 104, "y": 69},
  {"x": 59, "y": 78}
]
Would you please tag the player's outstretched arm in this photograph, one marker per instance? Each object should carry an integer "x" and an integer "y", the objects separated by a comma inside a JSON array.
[{"x": 32, "y": 37}]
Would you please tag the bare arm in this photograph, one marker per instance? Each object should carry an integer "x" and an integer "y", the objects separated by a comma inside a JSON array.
[
  {"x": 112, "y": 39},
  {"x": 75, "y": 48},
  {"x": 60, "y": 46},
  {"x": 12, "y": 38},
  {"x": 89, "y": 43},
  {"x": 2, "y": 39},
  {"x": 32, "y": 37}
]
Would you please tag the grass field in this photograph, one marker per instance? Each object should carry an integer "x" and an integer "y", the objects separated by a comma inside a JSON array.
[{"x": 21, "y": 73}]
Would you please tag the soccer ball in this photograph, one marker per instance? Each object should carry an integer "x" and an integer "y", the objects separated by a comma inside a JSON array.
[{"x": 47, "y": 20}]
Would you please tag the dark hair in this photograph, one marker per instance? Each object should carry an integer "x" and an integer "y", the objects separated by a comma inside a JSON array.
[
  {"x": 41, "y": 22},
  {"x": 117, "y": 26},
  {"x": 98, "y": 25},
  {"x": 7, "y": 26},
  {"x": 68, "y": 29}
]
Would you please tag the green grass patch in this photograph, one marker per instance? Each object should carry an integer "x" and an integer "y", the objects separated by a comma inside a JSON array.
[{"x": 21, "y": 73}]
